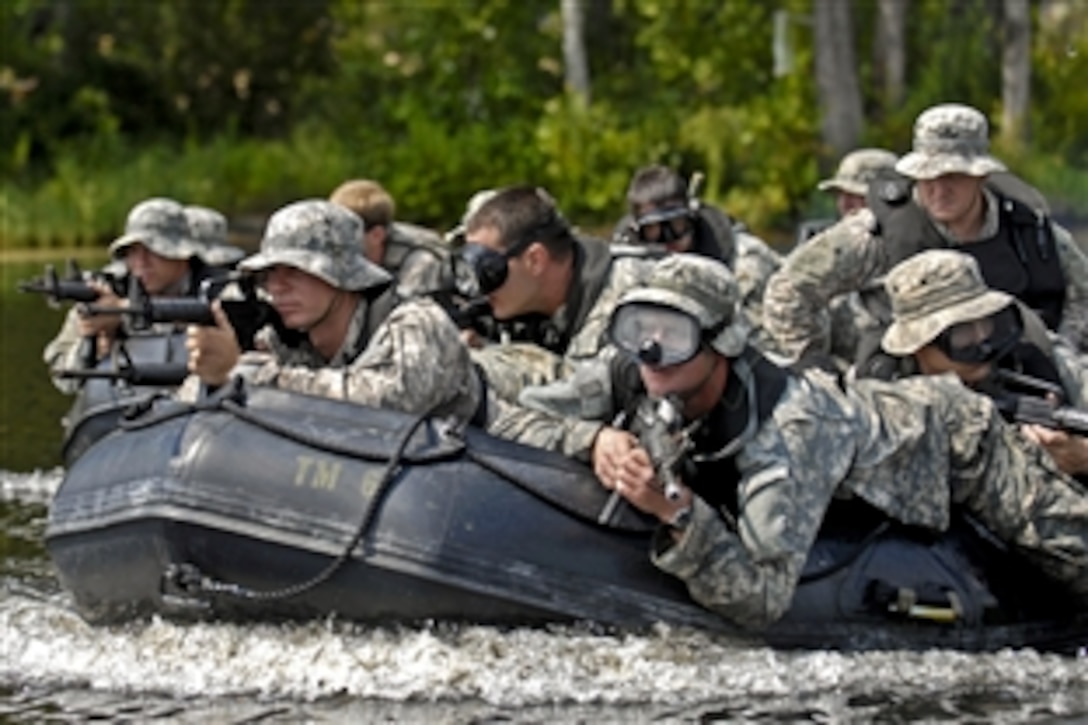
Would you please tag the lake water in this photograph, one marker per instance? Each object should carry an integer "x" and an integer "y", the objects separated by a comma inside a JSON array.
[{"x": 56, "y": 668}]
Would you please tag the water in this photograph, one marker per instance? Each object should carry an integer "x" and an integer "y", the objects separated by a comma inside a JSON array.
[{"x": 56, "y": 668}]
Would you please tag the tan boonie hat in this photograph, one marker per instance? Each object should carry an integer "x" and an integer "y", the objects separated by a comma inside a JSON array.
[
  {"x": 320, "y": 238},
  {"x": 160, "y": 225},
  {"x": 950, "y": 139},
  {"x": 857, "y": 169},
  {"x": 209, "y": 229},
  {"x": 703, "y": 288},
  {"x": 933, "y": 291}
]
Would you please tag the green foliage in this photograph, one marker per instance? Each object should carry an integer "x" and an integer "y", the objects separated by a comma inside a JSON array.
[{"x": 245, "y": 105}]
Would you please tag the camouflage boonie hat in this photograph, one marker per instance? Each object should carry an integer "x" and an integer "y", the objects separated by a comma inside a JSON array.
[
  {"x": 857, "y": 169},
  {"x": 161, "y": 226},
  {"x": 320, "y": 238},
  {"x": 209, "y": 229},
  {"x": 933, "y": 291},
  {"x": 703, "y": 288},
  {"x": 950, "y": 139}
]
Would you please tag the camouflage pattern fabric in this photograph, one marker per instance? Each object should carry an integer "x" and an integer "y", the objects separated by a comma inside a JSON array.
[
  {"x": 415, "y": 257},
  {"x": 913, "y": 449},
  {"x": 753, "y": 266},
  {"x": 320, "y": 238},
  {"x": 857, "y": 169},
  {"x": 931, "y": 292},
  {"x": 850, "y": 256},
  {"x": 209, "y": 229},
  {"x": 161, "y": 226},
  {"x": 949, "y": 139},
  {"x": 414, "y": 363}
]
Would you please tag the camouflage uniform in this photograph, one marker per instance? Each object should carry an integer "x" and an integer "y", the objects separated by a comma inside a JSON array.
[
  {"x": 412, "y": 360},
  {"x": 162, "y": 226},
  {"x": 855, "y": 253},
  {"x": 857, "y": 169},
  {"x": 418, "y": 260},
  {"x": 912, "y": 449}
]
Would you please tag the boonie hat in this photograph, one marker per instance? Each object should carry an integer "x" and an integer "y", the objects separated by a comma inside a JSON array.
[
  {"x": 702, "y": 287},
  {"x": 857, "y": 169},
  {"x": 950, "y": 139},
  {"x": 320, "y": 238},
  {"x": 932, "y": 291},
  {"x": 160, "y": 225},
  {"x": 209, "y": 229}
]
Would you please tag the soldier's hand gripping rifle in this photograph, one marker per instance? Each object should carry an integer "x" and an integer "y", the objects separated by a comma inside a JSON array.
[
  {"x": 75, "y": 286},
  {"x": 667, "y": 442},
  {"x": 1041, "y": 404},
  {"x": 247, "y": 315}
]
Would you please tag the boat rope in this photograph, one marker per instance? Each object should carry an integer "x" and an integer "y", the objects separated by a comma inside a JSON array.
[{"x": 189, "y": 578}]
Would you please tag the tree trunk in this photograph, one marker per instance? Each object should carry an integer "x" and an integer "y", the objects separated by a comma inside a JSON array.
[
  {"x": 837, "y": 75},
  {"x": 575, "y": 61},
  {"x": 891, "y": 50},
  {"x": 1016, "y": 73}
]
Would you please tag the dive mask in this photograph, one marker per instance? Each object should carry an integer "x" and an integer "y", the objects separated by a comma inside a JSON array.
[
  {"x": 655, "y": 335},
  {"x": 663, "y": 226},
  {"x": 984, "y": 340}
]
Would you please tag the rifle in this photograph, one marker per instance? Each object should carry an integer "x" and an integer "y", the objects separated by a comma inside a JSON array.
[
  {"x": 667, "y": 442},
  {"x": 73, "y": 287},
  {"x": 1042, "y": 406},
  {"x": 247, "y": 315},
  {"x": 152, "y": 374}
]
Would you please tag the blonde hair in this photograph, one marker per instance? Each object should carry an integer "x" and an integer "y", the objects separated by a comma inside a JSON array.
[{"x": 368, "y": 199}]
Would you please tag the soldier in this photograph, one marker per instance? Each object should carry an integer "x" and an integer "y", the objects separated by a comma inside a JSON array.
[
  {"x": 850, "y": 185},
  {"x": 770, "y": 449},
  {"x": 159, "y": 250},
  {"x": 851, "y": 322},
  {"x": 946, "y": 320},
  {"x": 413, "y": 255},
  {"x": 559, "y": 288},
  {"x": 952, "y": 194},
  {"x": 209, "y": 228},
  {"x": 664, "y": 212},
  {"x": 343, "y": 334}
]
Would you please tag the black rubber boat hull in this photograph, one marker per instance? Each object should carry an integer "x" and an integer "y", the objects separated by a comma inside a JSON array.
[{"x": 232, "y": 511}]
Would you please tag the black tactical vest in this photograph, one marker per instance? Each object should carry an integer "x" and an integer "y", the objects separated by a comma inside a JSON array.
[
  {"x": 1021, "y": 259},
  {"x": 592, "y": 265}
]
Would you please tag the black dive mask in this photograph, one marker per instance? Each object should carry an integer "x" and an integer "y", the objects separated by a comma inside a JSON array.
[
  {"x": 982, "y": 341},
  {"x": 490, "y": 267},
  {"x": 663, "y": 226}
]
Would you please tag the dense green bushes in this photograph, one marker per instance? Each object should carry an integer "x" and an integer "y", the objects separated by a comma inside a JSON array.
[{"x": 242, "y": 108}]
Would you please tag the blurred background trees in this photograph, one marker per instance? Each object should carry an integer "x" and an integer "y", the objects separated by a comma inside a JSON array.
[{"x": 248, "y": 104}]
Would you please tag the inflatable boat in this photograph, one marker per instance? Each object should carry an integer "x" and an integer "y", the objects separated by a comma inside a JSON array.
[{"x": 260, "y": 504}]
